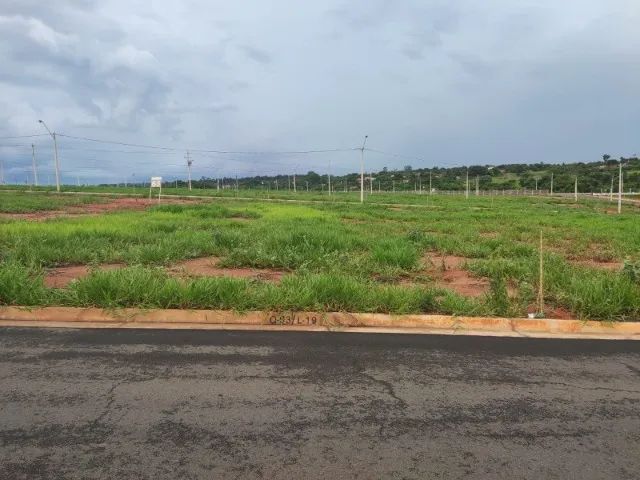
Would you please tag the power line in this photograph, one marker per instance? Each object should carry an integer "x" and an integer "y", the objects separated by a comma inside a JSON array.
[
  {"x": 221, "y": 152},
  {"x": 24, "y": 136},
  {"x": 137, "y": 145}
]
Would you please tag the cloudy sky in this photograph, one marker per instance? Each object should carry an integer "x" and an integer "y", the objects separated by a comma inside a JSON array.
[{"x": 450, "y": 82}]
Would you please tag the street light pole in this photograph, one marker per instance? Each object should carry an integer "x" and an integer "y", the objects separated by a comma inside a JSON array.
[
  {"x": 33, "y": 162},
  {"x": 362, "y": 169},
  {"x": 55, "y": 154},
  {"x": 189, "y": 162}
]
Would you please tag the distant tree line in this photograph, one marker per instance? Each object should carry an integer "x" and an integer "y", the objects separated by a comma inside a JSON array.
[{"x": 592, "y": 177}]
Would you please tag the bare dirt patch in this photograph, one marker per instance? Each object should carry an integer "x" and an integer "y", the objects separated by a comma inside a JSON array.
[
  {"x": 208, "y": 267},
  {"x": 61, "y": 277},
  {"x": 559, "y": 313},
  {"x": 111, "y": 205},
  {"x": 605, "y": 265},
  {"x": 448, "y": 273}
]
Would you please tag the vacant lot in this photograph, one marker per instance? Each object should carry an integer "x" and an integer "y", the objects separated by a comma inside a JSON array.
[{"x": 419, "y": 253}]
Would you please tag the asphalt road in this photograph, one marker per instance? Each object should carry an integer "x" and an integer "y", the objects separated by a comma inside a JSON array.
[{"x": 120, "y": 404}]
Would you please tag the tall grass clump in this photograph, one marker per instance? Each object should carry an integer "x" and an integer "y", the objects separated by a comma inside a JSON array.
[
  {"x": 20, "y": 286},
  {"x": 395, "y": 253},
  {"x": 603, "y": 296}
]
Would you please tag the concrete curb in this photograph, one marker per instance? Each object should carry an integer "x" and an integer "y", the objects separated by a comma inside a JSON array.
[{"x": 67, "y": 317}]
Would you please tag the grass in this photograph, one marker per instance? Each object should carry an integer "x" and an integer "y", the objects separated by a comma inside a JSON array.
[
  {"x": 23, "y": 202},
  {"x": 338, "y": 255}
]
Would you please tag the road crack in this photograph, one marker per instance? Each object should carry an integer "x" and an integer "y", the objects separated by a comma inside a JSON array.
[{"x": 387, "y": 387}]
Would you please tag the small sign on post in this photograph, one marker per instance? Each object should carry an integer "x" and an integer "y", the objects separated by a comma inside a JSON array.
[{"x": 156, "y": 182}]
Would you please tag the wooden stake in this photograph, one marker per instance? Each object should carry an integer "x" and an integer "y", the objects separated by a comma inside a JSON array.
[{"x": 541, "y": 281}]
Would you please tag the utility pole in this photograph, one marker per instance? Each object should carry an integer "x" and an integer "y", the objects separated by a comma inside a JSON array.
[
  {"x": 575, "y": 190},
  {"x": 55, "y": 154},
  {"x": 536, "y": 184},
  {"x": 466, "y": 192},
  {"x": 218, "y": 184},
  {"x": 393, "y": 186},
  {"x": 477, "y": 185},
  {"x": 307, "y": 186},
  {"x": 430, "y": 189},
  {"x": 611, "y": 190},
  {"x": 294, "y": 183},
  {"x": 620, "y": 189},
  {"x": 329, "y": 181},
  {"x": 371, "y": 182},
  {"x": 362, "y": 169},
  {"x": 552, "y": 184},
  {"x": 276, "y": 184},
  {"x": 419, "y": 184},
  {"x": 33, "y": 164},
  {"x": 189, "y": 162}
]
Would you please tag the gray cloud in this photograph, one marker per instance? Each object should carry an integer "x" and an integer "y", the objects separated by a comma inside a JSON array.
[
  {"x": 448, "y": 81},
  {"x": 256, "y": 54}
]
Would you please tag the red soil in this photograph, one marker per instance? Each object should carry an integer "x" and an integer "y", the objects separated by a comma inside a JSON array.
[
  {"x": 61, "y": 277},
  {"x": 447, "y": 272},
  {"x": 207, "y": 267},
  {"x": 559, "y": 313},
  {"x": 114, "y": 204}
]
